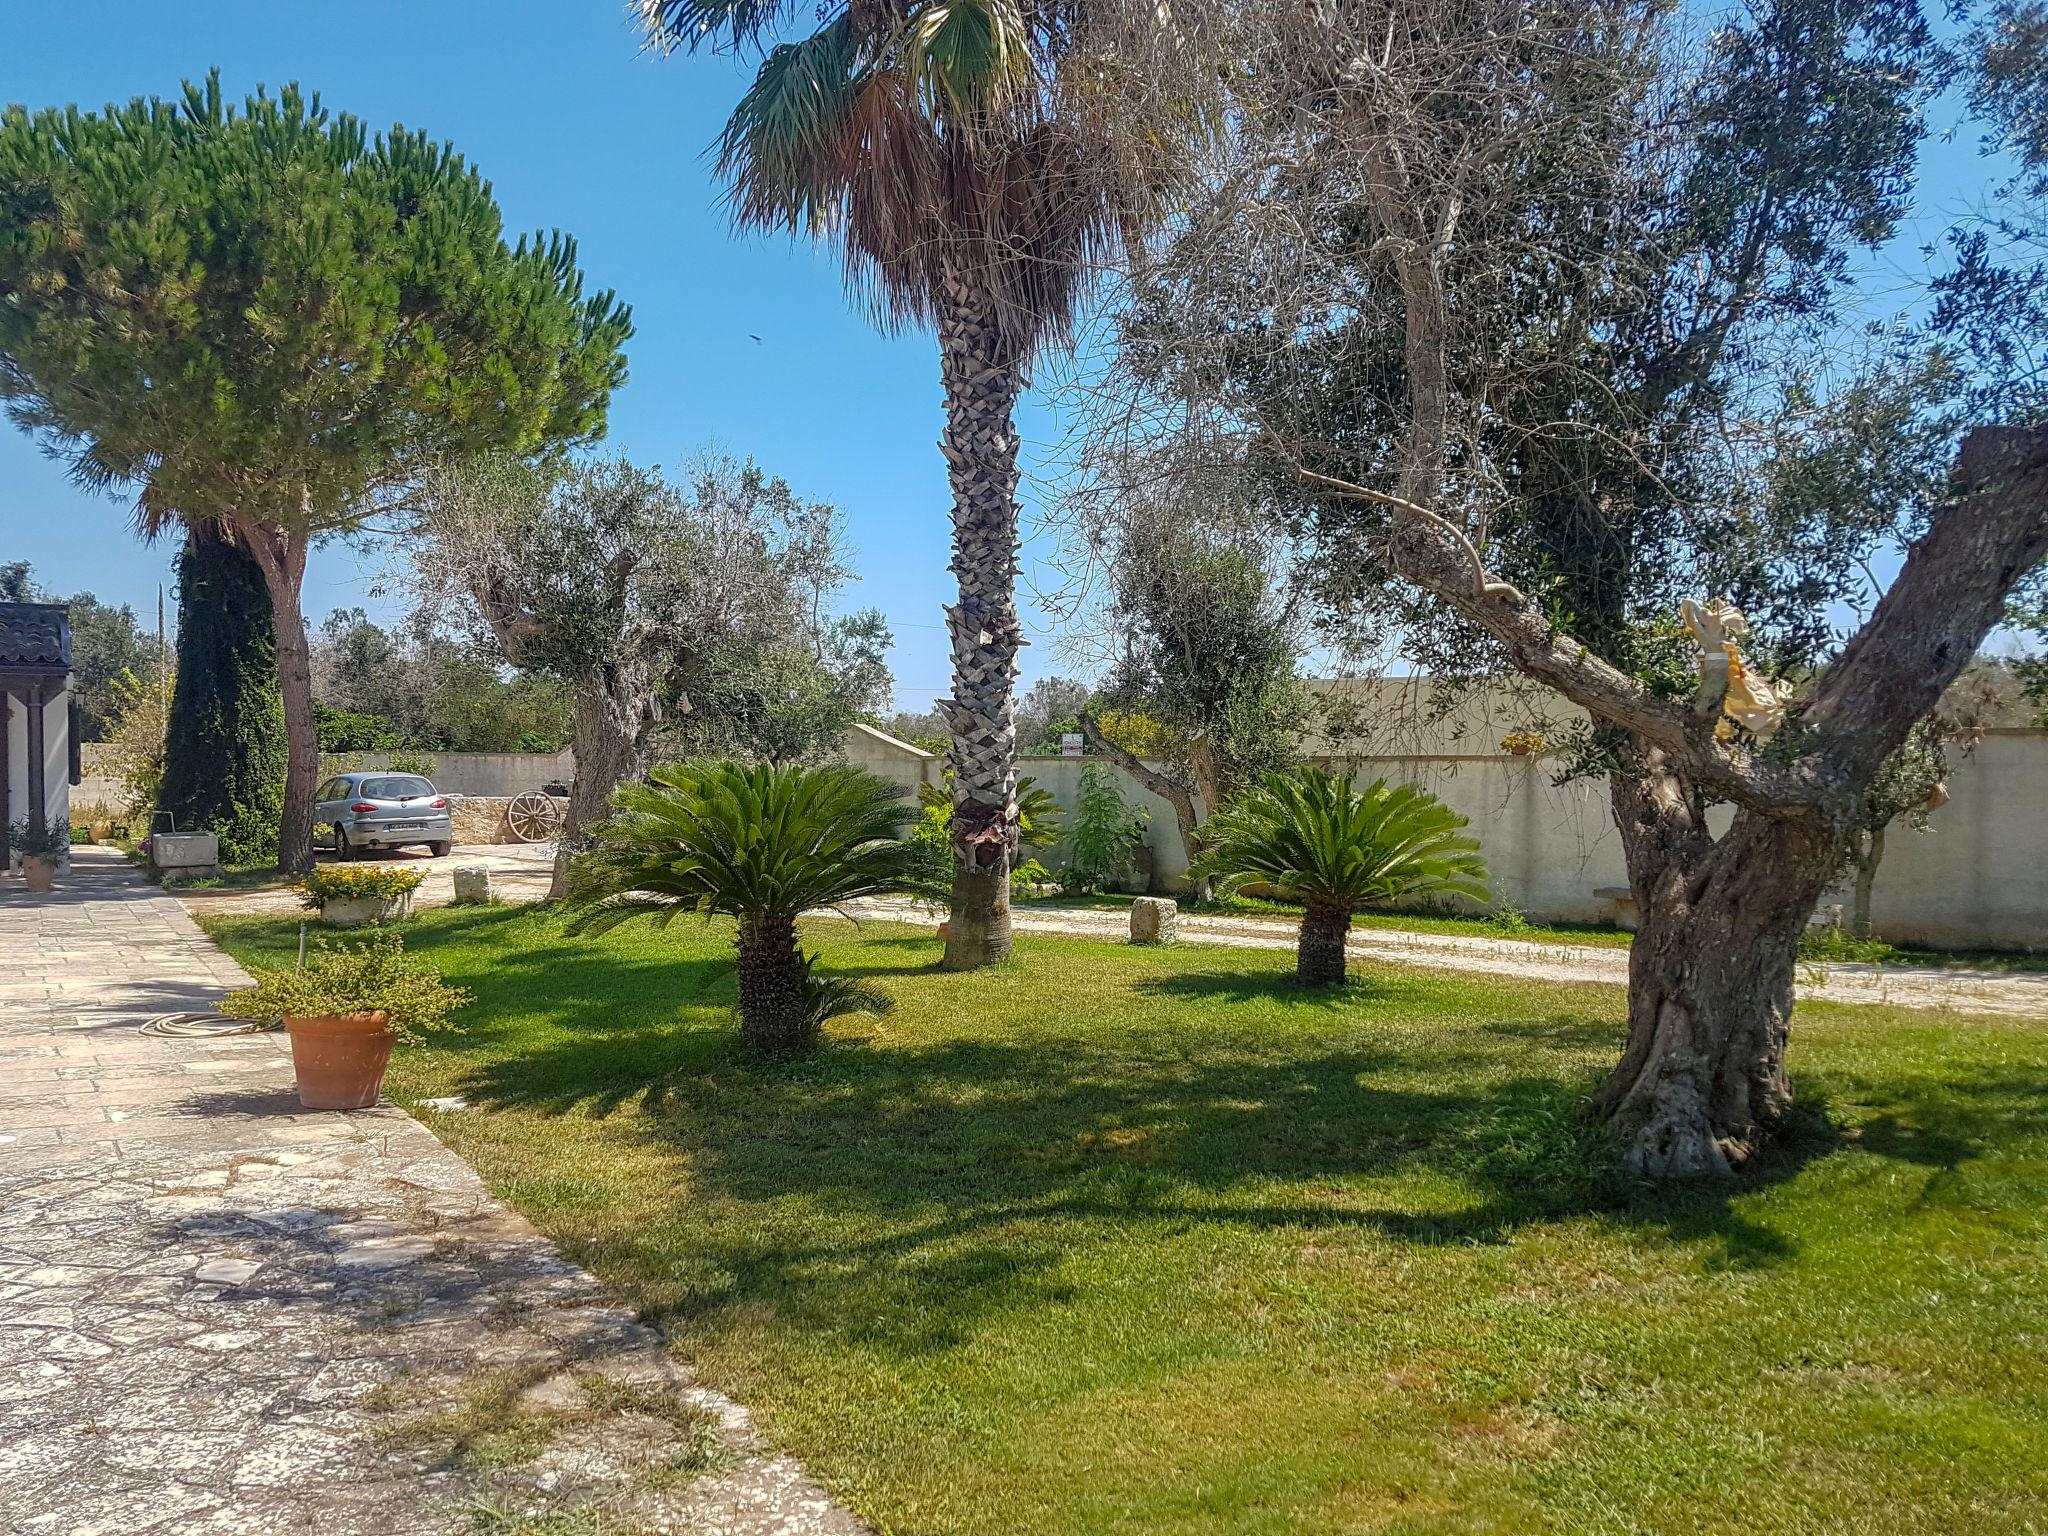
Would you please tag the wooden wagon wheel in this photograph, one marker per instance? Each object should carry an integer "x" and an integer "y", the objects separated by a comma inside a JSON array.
[{"x": 533, "y": 816}]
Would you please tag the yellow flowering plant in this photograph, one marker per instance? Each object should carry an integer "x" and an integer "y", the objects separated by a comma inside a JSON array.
[{"x": 331, "y": 882}]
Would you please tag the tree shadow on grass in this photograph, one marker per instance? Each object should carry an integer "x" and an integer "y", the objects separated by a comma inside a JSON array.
[
  {"x": 1273, "y": 987},
  {"x": 936, "y": 1180}
]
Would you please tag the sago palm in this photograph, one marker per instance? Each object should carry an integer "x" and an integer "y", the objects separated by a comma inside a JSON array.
[
  {"x": 976, "y": 161},
  {"x": 761, "y": 844},
  {"x": 1336, "y": 848}
]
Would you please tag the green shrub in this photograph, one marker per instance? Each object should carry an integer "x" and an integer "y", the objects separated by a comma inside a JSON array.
[
  {"x": 1833, "y": 944},
  {"x": 376, "y": 976},
  {"x": 1029, "y": 877},
  {"x": 1335, "y": 848},
  {"x": 325, "y": 882},
  {"x": 48, "y": 841},
  {"x": 1104, "y": 835},
  {"x": 224, "y": 747}
]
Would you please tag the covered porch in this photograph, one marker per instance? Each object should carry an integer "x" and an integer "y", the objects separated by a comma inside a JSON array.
[{"x": 39, "y": 751}]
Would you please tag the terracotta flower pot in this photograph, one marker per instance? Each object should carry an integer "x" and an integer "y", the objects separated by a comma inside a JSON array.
[
  {"x": 39, "y": 871},
  {"x": 340, "y": 1058}
]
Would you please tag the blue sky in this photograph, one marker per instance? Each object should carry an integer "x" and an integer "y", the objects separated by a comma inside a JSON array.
[{"x": 579, "y": 129}]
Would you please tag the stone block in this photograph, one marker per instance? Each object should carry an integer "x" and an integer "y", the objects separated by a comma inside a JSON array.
[
  {"x": 185, "y": 854},
  {"x": 472, "y": 885},
  {"x": 1155, "y": 920}
]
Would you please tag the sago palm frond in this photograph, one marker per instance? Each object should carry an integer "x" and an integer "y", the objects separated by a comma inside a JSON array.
[
  {"x": 762, "y": 843},
  {"x": 1321, "y": 840},
  {"x": 830, "y": 997}
]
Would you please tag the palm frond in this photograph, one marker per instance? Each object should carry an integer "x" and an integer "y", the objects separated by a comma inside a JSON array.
[
  {"x": 695, "y": 24},
  {"x": 783, "y": 148},
  {"x": 831, "y": 997},
  {"x": 969, "y": 58},
  {"x": 1317, "y": 838},
  {"x": 760, "y": 843}
]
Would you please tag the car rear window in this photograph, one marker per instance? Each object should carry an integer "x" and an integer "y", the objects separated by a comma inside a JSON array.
[{"x": 397, "y": 787}]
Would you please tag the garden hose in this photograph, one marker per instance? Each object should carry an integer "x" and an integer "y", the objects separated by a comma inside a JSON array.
[{"x": 201, "y": 1025}]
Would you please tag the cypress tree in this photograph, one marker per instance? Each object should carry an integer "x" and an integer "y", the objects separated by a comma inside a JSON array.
[{"x": 225, "y": 746}]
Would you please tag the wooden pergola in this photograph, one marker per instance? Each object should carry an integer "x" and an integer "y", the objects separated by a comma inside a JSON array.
[{"x": 35, "y": 672}]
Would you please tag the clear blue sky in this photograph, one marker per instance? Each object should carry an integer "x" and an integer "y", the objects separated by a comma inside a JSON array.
[
  {"x": 580, "y": 129},
  {"x": 577, "y": 128}
]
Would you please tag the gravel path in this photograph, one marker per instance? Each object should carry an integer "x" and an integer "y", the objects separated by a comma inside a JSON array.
[
  {"x": 520, "y": 873},
  {"x": 2022, "y": 994},
  {"x": 220, "y": 1312}
]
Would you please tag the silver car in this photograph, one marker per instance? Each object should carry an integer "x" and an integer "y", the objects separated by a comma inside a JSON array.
[{"x": 382, "y": 810}]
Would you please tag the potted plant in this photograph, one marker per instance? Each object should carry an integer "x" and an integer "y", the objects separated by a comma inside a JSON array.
[
  {"x": 41, "y": 849},
  {"x": 344, "y": 1011},
  {"x": 352, "y": 895}
]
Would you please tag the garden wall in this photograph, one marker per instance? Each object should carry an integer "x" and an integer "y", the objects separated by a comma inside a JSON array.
[{"x": 1977, "y": 878}]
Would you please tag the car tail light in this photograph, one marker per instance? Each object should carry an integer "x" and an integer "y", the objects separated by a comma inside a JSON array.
[
  {"x": 362, "y": 805},
  {"x": 440, "y": 805}
]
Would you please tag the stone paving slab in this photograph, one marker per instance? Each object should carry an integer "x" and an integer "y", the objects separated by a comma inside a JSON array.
[{"x": 222, "y": 1313}]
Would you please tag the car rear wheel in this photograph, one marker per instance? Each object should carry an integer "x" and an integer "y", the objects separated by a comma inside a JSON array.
[
  {"x": 342, "y": 850},
  {"x": 441, "y": 850}
]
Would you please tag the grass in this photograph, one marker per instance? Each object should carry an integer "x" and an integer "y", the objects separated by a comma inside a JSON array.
[
  {"x": 1121, "y": 1240},
  {"x": 1482, "y": 926}
]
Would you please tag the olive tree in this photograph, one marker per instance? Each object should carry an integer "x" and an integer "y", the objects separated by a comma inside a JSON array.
[
  {"x": 265, "y": 320},
  {"x": 1503, "y": 289},
  {"x": 630, "y": 590}
]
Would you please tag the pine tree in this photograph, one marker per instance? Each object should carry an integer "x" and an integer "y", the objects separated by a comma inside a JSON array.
[{"x": 225, "y": 749}]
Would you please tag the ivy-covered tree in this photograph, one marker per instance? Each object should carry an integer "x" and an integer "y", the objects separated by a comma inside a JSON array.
[
  {"x": 224, "y": 752},
  {"x": 269, "y": 319}
]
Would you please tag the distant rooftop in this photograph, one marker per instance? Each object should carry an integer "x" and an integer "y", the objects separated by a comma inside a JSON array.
[{"x": 35, "y": 637}]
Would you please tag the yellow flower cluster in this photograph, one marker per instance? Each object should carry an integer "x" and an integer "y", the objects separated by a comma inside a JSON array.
[{"x": 331, "y": 882}]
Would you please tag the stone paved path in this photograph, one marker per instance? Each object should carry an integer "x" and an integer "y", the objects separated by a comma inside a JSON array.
[{"x": 222, "y": 1313}]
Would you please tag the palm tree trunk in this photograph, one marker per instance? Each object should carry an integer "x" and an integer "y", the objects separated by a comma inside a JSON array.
[
  {"x": 983, "y": 377},
  {"x": 771, "y": 985},
  {"x": 1319, "y": 962}
]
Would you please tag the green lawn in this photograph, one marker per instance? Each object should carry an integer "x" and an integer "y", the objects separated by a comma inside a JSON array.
[
  {"x": 1481, "y": 927},
  {"x": 1145, "y": 1241}
]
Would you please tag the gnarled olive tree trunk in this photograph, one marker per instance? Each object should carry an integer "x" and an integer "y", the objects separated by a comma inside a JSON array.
[
  {"x": 982, "y": 377},
  {"x": 1701, "y": 1082},
  {"x": 615, "y": 711}
]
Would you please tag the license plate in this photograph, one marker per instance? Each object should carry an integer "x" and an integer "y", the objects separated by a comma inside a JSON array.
[{"x": 405, "y": 826}]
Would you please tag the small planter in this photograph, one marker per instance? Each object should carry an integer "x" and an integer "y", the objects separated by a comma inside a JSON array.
[
  {"x": 362, "y": 911},
  {"x": 339, "y": 1058},
  {"x": 39, "y": 870}
]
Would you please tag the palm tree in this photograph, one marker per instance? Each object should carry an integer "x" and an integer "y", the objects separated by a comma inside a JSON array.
[
  {"x": 976, "y": 160},
  {"x": 1335, "y": 849},
  {"x": 762, "y": 844}
]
